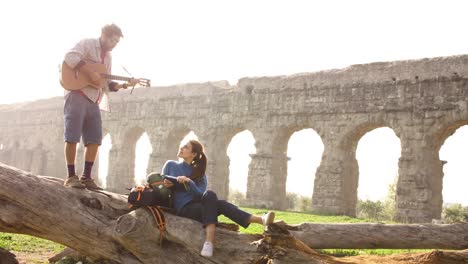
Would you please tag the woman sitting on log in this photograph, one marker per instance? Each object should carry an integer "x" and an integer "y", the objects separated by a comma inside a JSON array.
[{"x": 192, "y": 200}]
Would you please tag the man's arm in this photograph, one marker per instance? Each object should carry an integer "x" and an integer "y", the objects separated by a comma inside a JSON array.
[{"x": 75, "y": 58}]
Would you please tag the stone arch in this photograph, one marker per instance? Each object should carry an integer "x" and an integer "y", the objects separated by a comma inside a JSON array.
[
  {"x": 295, "y": 177},
  {"x": 446, "y": 131},
  {"x": 271, "y": 161},
  {"x": 216, "y": 151},
  {"x": 441, "y": 137},
  {"x": 38, "y": 163},
  {"x": 19, "y": 155},
  {"x": 350, "y": 167},
  {"x": 143, "y": 151},
  {"x": 102, "y": 161},
  {"x": 280, "y": 160},
  {"x": 239, "y": 195},
  {"x": 130, "y": 141},
  {"x": 122, "y": 159},
  {"x": 376, "y": 173},
  {"x": 9, "y": 147},
  {"x": 171, "y": 144}
]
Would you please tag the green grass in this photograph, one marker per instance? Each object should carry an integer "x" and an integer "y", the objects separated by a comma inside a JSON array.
[
  {"x": 299, "y": 217},
  {"x": 25, "y": 243},
  {"x": 293, "y": 218}
]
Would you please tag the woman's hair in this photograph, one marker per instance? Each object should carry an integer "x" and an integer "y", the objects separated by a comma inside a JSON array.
[{"x": 199, "y": 161}]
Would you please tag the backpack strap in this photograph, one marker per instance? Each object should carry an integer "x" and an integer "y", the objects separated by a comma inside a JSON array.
[
  {"x": 139, "y": 190},
  {"x": 160, "y": 220}
]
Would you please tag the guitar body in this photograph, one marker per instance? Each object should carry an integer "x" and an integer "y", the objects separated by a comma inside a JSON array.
[{"x": 72, "y": 80}]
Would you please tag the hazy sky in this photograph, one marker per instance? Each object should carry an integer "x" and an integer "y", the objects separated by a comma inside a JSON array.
[{"x": 177, "y": 41}]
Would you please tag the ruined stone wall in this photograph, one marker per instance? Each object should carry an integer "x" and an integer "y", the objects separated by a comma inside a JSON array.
[{"x": 423, "y": 101}]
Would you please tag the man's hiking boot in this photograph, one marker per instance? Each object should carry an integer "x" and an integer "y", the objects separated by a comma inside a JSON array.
[
  {"x": 74, "y": 182},
  {"x": 207, "y": 250},
  {"x": 90, "y": 184},
  {"x": 268, "y": 218}
]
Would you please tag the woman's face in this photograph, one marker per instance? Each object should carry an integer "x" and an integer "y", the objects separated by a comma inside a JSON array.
[{"x": 185, "y": 152}]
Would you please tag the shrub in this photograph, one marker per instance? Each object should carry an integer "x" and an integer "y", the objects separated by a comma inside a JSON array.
[
  {"x": 455, "y": 213},
  {"x": 378, "y": 210},
  {"x": 236, "y": 197},
  {"x": 296, "y": 202},
  {"x": 373, "y": 210}
]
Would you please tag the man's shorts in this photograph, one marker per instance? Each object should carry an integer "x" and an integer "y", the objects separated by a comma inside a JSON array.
[{"x": 82, "y": 118}]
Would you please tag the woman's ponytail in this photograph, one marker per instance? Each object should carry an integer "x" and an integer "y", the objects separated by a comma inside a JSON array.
[{"x": 199, "y": 162}]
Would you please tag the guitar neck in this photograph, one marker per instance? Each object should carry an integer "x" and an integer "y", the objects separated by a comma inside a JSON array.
[{"x": 115, "y": 77}]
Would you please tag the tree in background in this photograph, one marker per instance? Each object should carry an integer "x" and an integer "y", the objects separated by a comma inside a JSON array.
[
  {"x": 379, "y": 210},
  {"x": 455, "y": 213}
]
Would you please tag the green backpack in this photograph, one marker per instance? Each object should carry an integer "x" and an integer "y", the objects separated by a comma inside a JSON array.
[{"x": 162, "y": 193}]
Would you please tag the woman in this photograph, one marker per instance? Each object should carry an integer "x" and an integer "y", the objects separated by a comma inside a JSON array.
[{"x": 192, "y": 200}]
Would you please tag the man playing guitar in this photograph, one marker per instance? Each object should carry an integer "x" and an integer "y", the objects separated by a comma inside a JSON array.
[{"x": 82, "y": 106}]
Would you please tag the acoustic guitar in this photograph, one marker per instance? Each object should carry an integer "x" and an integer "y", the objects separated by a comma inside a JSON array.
[{"x": 71, "y": 79}]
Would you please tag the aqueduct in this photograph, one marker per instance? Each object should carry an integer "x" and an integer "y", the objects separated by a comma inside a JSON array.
[{"x": 422, "y": 101}]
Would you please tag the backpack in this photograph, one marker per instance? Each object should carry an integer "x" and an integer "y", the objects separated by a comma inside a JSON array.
[
  {"x": 155, "y": 197},
  {"x": 152, "y": 194}
]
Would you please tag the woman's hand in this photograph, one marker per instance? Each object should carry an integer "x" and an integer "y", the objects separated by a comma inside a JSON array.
[
  {"x": 167, "y": 183},
  {"x": 183, "y": 179}
]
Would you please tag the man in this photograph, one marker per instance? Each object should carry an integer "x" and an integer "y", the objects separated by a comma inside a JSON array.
[{"x": 82, "y": 107}]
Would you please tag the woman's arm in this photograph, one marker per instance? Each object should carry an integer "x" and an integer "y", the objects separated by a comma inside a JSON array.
[{"x": 196, "y": 189}]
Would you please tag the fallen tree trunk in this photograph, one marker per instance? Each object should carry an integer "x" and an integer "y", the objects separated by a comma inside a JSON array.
[
  {"x": 101, "y": 226},
  {"x": 394, "y": 236}
]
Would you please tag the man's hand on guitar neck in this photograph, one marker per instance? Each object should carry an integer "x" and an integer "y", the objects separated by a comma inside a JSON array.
[{"x": 131, "y": 83}]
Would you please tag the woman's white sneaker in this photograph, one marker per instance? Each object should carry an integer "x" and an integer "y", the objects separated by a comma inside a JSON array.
[
  {"x": 207, "y": 250},
  {"x": 268, "y": 218}
]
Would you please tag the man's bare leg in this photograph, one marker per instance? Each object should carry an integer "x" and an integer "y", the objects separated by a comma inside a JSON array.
[
  {"x": 91, "y": 151},
  {"x": 70, "y": 156},
  {"x": 70, "y": 152}
]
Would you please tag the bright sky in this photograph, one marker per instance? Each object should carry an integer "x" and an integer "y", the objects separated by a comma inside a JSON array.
[{"x": 181, "y": 41}]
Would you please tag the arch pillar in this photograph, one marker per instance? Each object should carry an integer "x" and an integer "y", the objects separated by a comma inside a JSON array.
[
  {"x": 165, "y": 146},
  {"x": 336, "y": 179},
  {"x": 266, "y": 184},
  {"x": 121, "y": 173},
  {"x": 121, "y": 168},
  {"x": 38, "y": 160},
  {"x": 217, "y": 171},
  {"x": 419, "y": 187}
]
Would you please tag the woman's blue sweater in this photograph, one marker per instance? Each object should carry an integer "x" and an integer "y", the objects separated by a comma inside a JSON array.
[{"x": 183, "y": 195}]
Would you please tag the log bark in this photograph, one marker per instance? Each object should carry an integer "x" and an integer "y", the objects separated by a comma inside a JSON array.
[
  {"x": 101, "y": 226},
  {"x": 7, "y": 257},
  {"x": 392, "y": 236}
]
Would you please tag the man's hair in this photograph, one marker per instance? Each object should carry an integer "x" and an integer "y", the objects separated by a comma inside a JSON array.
[{"x": 112, "y": 29}]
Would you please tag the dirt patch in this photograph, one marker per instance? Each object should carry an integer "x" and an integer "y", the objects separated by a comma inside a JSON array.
[
  {"x": 433, "y": 257},
  {"x": 38, "y": 257}
]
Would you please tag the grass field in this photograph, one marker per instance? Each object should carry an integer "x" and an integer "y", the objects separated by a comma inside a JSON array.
[{"x": 31, "y": 245}]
